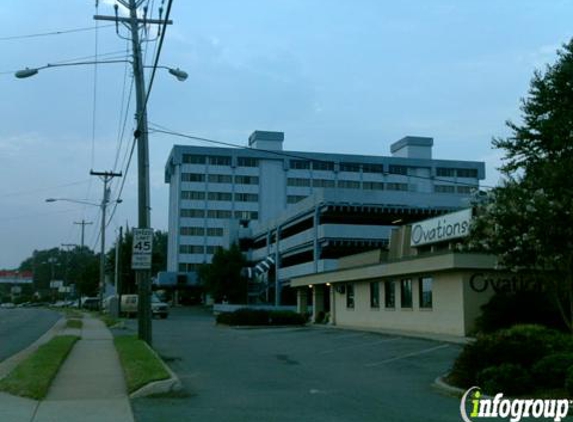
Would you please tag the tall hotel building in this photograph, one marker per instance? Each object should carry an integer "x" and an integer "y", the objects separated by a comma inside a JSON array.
[{"x": 212, "y": 189}]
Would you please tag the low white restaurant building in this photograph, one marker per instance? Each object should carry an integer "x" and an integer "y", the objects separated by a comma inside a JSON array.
[{"x": 422, "y": 283}]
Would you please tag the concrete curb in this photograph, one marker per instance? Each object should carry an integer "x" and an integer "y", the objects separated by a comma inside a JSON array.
[
  {"x": 9, "y": 364},
  {"x": 169, "y": 385},
  {"x": 441, "y": 384}
]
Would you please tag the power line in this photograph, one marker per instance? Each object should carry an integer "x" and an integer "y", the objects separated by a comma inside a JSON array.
[
  {"x": 32, "y": 191},
  {"x": 166, "y": 131},
  {"x": 45, "y": 34}
]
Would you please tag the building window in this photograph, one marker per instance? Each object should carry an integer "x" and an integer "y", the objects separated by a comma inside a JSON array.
[
  {"x": 466, "y": 190},
  {"x": 248, "y": 162},
  {"x": 192, "y": 195},
  {"x": 192, "y": 231},
  {"x": 375, "y": 295},
  {"x": 246, "y": 197},
  {"x": 214, "y": 231},
  {"x": 185, "y": 267},
  {"x": 406, "y": 293},
  {"x": 294, "y": 181},
  {"x": 395, "y": 169},
  {"x": 445, "y": 172},
  {"x": 194, "y": 159},
  {"x": 299, "y": 164},
  {"x": 348, "y": 184},
  {"x": 192, "y": 177},
  {"x": 469, "y": 173},
  {"x": 192, "y": 213},
  {"x": 219, "y": 196},
  {"x": 322, "y": 183},
  {"x": 389, "y": 294},
  {"x": 373, "y": 185},
  {"x": 219, "y": 160},
  {"x": 247, "y": 180},
  {"x": 191, "y": 249},
  {"x": 220, "y": 178},
  {"x": 323, "y": 165},
  {"x": 293, "y": 199},
  {"x": 397, "y": 186},
  {"x": 350, "y": 167},
  {"x": 425, "y": 290},
  {"x": 224, "y": 214},
  {"x": 246, "y": 215},
  {"x": 212, "y": 249},
  {"x": 372, "y": 168},
  {"x": 350, "y": 295},
  {"x": 444, "y": 189}
]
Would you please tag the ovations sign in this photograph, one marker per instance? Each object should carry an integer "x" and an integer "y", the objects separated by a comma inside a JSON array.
[{"x": 439, "y": 229}]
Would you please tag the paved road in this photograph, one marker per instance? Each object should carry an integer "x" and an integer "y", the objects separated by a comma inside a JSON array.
[
  {"x": 297, "y": 374},
  {"x": 20, "y": 327}
]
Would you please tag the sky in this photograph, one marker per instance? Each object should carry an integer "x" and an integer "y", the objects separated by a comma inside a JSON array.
[{"x": 335, "y": 76}]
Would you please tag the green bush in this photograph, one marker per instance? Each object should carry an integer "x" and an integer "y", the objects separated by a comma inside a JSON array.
[
  {"x": 287, "y": 318},
  {"x": 522, "y": 345},
  {"x": 506, "y": 378},
  {"x": 550, "y": 371},
  {"x": 569, "y": 382},
  {"x": 256, "y": 317},
  {"x": 505, "y": 310}
]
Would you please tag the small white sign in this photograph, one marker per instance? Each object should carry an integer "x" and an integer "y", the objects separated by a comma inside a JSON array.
[
  {"x": 439, "y": 229},
  {"x": 142, "y": 249},
  {"x": 56, "y": 284}
]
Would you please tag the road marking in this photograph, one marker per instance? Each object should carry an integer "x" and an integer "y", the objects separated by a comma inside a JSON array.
[
  {"x": 350, "y": 335},
  {"x": 352, "y": 346},
  {"x": 409, "y": 355}
]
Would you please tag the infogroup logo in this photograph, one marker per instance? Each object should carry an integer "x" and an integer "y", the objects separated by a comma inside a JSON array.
[{"x": 515, "y": 409}]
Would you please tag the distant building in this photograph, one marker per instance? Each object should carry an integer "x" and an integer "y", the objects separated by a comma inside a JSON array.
[{"x": 352, "y": 200}]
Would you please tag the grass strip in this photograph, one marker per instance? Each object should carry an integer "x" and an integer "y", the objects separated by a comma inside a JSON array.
[
  {"x": 74, "y": 323},
  {"x": 33, "y": 376},
  {"x": 140, "y": 365},
  {"x": 109, "y": 321}
]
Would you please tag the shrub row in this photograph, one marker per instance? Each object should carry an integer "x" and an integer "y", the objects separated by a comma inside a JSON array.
[
  {"x": 516, "y": 360},
  {"x": 247, "y": 316}
]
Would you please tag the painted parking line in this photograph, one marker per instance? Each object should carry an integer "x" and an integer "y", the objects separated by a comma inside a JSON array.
[
  {"x": 408, "y": 355},
  {"x": 336, "y": 337},
  {"x": 353, "y": 346}
]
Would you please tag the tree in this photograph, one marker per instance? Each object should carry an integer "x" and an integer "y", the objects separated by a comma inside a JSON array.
[
  {"x": 222, "y": 277},
  {"x": 527, "y": 221},
  {"x": 76, "y": 266}
]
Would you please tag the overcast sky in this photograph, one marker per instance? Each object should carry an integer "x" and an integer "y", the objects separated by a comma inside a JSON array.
[{"x": 335, "y": 75}]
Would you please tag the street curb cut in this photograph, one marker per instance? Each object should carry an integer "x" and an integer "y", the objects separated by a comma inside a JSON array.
[
  {"x": 169, "y": 385},
  {"x": 9, "y": 364},
  {"x": 440, "y": 384}
]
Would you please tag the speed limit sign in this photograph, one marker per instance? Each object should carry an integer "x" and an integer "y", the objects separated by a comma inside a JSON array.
[{"x": 142, "y": 249}]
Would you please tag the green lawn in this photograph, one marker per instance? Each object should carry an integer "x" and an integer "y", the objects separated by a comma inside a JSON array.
[
  {"x": 140, "y": 365},
  {"x": 74, "y": 323},
  {"x": 33, "y": 376}
]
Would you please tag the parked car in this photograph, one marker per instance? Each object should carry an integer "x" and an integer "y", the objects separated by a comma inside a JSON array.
[{"x": 129, "y": 306}]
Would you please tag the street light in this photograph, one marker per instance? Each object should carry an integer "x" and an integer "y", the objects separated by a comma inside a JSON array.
[
  {"x": 103, "y": 206},
  {"x": 181, "y": 75}
]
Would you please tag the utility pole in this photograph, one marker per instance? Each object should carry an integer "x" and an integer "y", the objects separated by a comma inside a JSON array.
[
  {"x": 134, "y": 24},
  {"x": 105, "y": 176},
  {"x": 83, "y": 223},
  {"x": 68, "y": 246},
  {"x": 118, "y": 286}
]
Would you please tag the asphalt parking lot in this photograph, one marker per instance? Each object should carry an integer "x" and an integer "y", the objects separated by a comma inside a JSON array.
[{"x": 296, "y": 374}]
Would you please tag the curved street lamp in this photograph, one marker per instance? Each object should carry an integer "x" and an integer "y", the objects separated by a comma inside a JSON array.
[{"x": 181, "y": 75}]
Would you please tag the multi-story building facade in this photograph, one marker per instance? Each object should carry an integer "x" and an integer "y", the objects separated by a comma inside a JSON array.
[{"x": 211, "y": 189}]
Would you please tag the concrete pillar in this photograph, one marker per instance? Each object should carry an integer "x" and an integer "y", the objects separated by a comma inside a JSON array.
[
  {"x": 317, "y": 300},
  {"x": 302, "y": 300}
]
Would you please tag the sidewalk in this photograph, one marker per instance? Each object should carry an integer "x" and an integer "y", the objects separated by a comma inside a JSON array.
[{"x": 89, "y": 386}]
